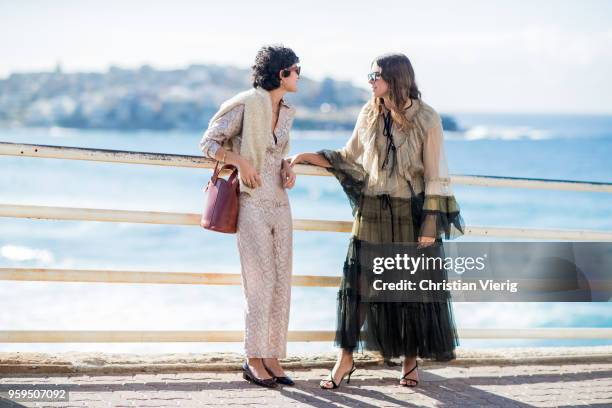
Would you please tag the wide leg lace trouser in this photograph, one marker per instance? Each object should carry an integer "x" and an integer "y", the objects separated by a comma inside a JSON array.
[{"x": 265, "y": 244}]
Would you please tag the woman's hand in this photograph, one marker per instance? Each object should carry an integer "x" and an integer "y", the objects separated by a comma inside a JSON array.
[
  {"x": 311, "y": 158},
  {"x": 248, "y": 174},
  {"x": 425, "y": 241},
  {"x": 296, "y": 159},
  {"x": 288, "y": 175}
]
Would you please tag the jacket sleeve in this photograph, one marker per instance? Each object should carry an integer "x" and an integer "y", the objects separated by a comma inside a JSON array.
[
  {"x": 441, "y": 216},
  {"x": 221, "y": 130}
]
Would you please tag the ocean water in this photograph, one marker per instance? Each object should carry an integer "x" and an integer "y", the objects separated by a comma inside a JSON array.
[{"x": 541, "y": 146}]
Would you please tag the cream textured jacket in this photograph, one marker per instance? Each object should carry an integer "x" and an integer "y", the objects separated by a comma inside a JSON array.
[{"x": 256, "y": 134}]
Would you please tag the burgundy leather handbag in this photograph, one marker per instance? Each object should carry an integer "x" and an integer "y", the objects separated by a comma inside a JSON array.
[{"x": 221, "y": 201}]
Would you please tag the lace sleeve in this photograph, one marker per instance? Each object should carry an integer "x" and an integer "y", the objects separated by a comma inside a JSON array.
[
  {"x": 441, "y": 215},
  {"x": 224, "y": 128}
]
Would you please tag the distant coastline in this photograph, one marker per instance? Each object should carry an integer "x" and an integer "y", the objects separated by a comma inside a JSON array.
[{"x": 151, "y": 99}]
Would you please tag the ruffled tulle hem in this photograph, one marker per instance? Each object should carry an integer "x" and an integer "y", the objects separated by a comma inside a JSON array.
[
  {"x": 418, "y": 328},
  {"x": 441, "y": 217},
  {"x": 424, "y": 330}
]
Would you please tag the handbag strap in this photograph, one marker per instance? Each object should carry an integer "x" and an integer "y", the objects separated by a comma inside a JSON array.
[
  {"x": 215, "y": 174},
  {"x": 234, "y": 172},
  {"x": 218, "y": 170}
]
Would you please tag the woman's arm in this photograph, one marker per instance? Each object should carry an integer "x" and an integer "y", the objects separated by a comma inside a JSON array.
[
  {"x": 441, "y": 214},
  {"x": 432, "y": 174},
  {"x": 246, "y": 171},
  {"x": 310, "y": 158},
  {"x": 350, "y": 153},
  {"x": 221, "y": 130}
]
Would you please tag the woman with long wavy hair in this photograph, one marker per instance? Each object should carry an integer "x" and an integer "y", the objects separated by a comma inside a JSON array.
[{"x": 394, "y": 172}]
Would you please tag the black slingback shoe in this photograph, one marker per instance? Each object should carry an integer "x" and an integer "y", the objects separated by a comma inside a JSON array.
[
  {"x": 331, "y": 378},
  {"x": 248, "y": 375},
  {"x": 281, "y": 380},
  {"x": 414, "y": 382}
]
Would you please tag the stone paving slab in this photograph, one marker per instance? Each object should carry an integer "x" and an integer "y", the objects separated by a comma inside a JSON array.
[
  {"x": 480, "y": 385},
  {"x": 124, "y": 363}
]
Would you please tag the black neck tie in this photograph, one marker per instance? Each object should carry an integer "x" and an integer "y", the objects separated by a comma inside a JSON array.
[{"x": 390, "y": 150}]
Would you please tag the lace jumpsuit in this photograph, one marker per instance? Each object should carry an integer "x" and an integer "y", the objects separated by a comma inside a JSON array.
[{"x": 264, "y": 237}]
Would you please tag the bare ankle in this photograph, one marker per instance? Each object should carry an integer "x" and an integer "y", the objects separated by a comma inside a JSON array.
[
  {"x": 410, "y": 360},
  {"x": 346, "y": 356}
]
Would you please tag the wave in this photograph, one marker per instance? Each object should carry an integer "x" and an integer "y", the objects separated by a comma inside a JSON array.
[
  {"x": 479, "y": 132},
  {"x": 299, "y": 134},
  {"x": 482, "y": 132},
  {"x": 26, "y": 254}
]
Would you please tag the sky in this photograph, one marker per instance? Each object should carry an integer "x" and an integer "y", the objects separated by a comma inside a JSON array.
[{"x": 469, "y": 56}]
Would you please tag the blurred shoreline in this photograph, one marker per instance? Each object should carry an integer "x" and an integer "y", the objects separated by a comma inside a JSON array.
[{"x": 152, "y": 99}]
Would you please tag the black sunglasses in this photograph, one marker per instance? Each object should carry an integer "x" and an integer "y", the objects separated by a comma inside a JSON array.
[
  {"x": 373, "y": 76},
  {"x": 297, "y": 69}
]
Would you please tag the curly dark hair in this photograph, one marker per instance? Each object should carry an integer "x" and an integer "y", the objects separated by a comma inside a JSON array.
[{"x": 270, "y": 60}]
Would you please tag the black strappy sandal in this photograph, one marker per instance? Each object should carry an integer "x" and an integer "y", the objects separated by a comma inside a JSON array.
[
  {"x": 414, "y": 382},
  {"x": 331, "y": 378}
]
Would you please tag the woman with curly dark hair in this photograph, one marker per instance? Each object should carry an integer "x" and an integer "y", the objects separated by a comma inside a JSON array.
[
  {"x": 251, "y": 131},
  {"x": 394, "y": 172}
]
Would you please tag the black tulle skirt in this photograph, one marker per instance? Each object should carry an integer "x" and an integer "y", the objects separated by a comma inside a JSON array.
[{"x": 425, "y": 329}]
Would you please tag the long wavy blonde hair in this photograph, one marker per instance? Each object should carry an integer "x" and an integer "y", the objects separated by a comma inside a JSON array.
[{"x": 397, "y": 71}]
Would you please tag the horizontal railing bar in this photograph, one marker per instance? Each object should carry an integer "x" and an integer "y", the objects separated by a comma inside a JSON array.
[
  {"x": 231, "y": 336},
  {"x": 229, "y": 279},
  {"x": 155, "y": 217},
  {"x": 534, "y": 183},
  {"x": 103, "y": 155},
  {"x": 179, "y": 160},
  {"x": 115, "y": 276},
  {"x": 146, "y": 217}
]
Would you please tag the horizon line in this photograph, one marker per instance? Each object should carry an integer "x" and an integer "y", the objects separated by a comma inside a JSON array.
[{"x": 171, "y": 67}]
